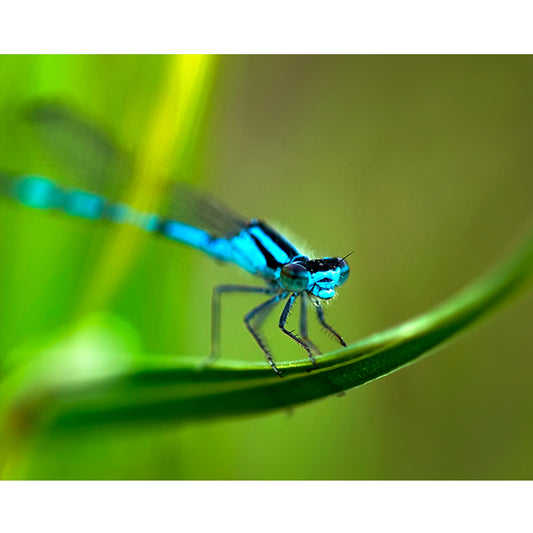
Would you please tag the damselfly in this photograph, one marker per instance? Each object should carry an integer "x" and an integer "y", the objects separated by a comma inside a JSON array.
[{"x": 195, "y": 219}]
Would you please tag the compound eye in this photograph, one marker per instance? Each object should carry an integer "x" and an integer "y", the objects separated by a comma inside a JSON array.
[
  {"x": 344, "y": 271},
  {"x": 294, "y": 277}
]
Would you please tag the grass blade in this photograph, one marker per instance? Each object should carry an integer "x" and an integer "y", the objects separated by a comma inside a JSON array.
[{"x": 167, "y": 389}]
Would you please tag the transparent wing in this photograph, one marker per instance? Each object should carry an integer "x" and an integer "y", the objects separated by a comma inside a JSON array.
[
  {"x": 97, "y": 163},
  {"x": 87, "y": 156},
  {"x": 192, "y": 206}
]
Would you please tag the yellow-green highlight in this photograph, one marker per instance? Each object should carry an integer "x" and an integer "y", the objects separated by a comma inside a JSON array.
[{"x": 171, "y": 129}]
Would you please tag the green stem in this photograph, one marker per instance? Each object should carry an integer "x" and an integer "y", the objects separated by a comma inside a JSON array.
[{"x": 165, "y": 389}]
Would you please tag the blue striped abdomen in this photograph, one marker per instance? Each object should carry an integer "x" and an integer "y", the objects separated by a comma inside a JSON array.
[
  {"x": 42, "y": 193},
  {"x": 257, "y": 248},
  {"x": 234, "y": 249},
  {"x": 220, "y": 248}
]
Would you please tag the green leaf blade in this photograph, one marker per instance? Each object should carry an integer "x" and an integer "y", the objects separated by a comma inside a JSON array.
[{"x": 167, "y": 389}]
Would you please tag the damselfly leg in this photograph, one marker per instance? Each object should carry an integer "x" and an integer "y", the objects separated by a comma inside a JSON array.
[
  {"x": 304, "y": 329},
  {"x": 258, "y": 315},
  {"x": 291, "y": 334},
  {"x": 216, "y": 313},
  {"x": 322, "y": 320}
]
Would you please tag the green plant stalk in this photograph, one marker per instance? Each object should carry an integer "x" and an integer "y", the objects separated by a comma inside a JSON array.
[
  {"x": 170, "y": 134},
  {"x": 168, "y": 389}
]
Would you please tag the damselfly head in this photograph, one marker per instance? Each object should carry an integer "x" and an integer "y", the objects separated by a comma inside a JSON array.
[
  {"x": 320, "y": 277},
  {"x": 327, "y": 274}
]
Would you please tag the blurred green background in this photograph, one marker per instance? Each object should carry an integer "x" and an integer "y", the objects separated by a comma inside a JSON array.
[{"x": 420, "y": 164}]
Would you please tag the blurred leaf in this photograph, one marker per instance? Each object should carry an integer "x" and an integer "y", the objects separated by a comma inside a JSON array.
[{"x": 165, "y": 389}]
